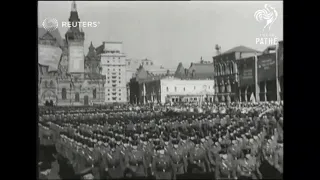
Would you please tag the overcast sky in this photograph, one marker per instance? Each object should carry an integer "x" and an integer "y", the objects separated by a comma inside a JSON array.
[{"x": 168, "y": 32}]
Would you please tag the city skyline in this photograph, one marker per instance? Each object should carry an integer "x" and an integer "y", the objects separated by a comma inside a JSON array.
[{"x": 168, "y": 32}]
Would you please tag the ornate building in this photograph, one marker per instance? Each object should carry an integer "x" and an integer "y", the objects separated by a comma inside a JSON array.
[
  {"x": 227, "y": 83},
  {"x": 66, "y": 76}
]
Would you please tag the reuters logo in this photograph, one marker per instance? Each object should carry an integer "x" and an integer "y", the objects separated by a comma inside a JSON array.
[{"x": 50, "y": 24}]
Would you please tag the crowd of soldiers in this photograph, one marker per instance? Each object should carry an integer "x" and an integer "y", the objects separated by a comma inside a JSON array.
[{"x": 225, "y": 141}]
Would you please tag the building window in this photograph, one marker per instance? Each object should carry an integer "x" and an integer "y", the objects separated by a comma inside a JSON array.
[
  {"x": 64, "y": 93},
  {"x": 151, "y": 63},
  {"x": 146, "y": 63},
  {"x": 108, "y": 90},
  {"x": 119, "y": 94},
  {"x": 120, "y": 99},
  {"x": 108, "y": 94},
  {"x": 119, "y": 69},
  {"x": 108, "y": 99},
  {"x": 108, "y": 82},
  {"x": 175, "y": 89},
  {"x": 167, "y": 89},
  {"x": 184, "y": 89},
  {"x": 119, "y": 73},
  {"x": 120, "y": 90},
  {"x": 128, "y": 63},
  {"x": 108, "y": 77},
  {"x": 107, "y": 61},
  {"x": 195, "y": 99},
  {"x": 119, "y": 81},
  {"x": 114, "y": 69},
  {"x": 119, "y": 58},
  {"x": 77, "y": 97},
  {"x": 194, "y": 87},
  {"x": 94, "y": 93}
]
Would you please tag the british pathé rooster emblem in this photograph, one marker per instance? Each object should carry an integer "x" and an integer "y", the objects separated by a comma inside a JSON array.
[{"x": 269, "y": 14}]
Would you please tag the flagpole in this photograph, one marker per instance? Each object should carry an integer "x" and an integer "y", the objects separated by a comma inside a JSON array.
[
  {"x": 277, "y": 73},
  {"x": 256, "y": 83}
]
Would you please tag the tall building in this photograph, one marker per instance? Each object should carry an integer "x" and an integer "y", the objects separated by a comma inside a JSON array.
[
  {"x": 113, "y": 65},
  {"x": 63, "y": 77}
]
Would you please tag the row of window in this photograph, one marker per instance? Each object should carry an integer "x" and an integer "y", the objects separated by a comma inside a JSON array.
[
  {"x": 184, "y": 89},
  {"x": 114, "y": 94},
  {"x": 113, "y": 82},
  {"x": 113, "y": 90},
  {"x": 114, "y": 99},
  {"x": 64, "y": 93}
]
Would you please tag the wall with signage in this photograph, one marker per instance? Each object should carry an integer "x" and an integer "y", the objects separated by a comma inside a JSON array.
[
  {"x": 267, "y": 67},
  {"x": 49, "y": 56},
  {"x": 247, "y": 71},
  {"x": 76, "y": 59}
]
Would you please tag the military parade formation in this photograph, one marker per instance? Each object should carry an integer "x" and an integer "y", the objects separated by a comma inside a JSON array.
[{"x": 176, "y": 141}]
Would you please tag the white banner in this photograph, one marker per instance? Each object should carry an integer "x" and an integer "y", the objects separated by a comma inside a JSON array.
[
  {"x": 49, "y": 56},
  {"x": 76, "y": 59}
]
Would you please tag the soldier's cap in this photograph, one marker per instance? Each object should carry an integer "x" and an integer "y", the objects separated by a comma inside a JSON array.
[
  {"x": 134, "y": 143},
  {"x": 223, "y": 151},
  {"x": 159, "y": 147},
  {"x": 246, "y": 150},
  {"x": 224, "y": 145},
  {"x": 175, "y": 141}
]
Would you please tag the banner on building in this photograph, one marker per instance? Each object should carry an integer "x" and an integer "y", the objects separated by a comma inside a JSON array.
[
  {"x": 76, "y": 59},
  {"x": 280, "y": 58},
  {"x": 49, "y": 56},
  {"x": 247, "y": 71},
  {"x": 267, "y": 67}
]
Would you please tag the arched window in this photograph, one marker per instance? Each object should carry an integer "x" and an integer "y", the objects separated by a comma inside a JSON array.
[
  {"x": 175, "y": 89},
  {"x": 51, "y": 84},
  {"x": 64, "y": 93},
  {"x": 77, "y": 97},
  {"x": 94, "y": 93},
  {"x": 167, "y": 89}
]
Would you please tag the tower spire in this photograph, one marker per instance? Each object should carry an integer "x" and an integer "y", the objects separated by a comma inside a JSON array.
[{"x": 74, "y": 6}]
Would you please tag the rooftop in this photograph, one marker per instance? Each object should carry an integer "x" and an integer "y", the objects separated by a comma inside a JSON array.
[{"x": 243, "y": 49}]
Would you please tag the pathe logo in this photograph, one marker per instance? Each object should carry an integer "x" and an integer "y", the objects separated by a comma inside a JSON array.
[
  {"x": 51, "y": 24},
  {"x": 269, "y": 15}
]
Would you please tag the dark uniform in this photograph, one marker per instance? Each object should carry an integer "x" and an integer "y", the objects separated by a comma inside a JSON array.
[
  {"x": 179, "y": 159},
  {"x": 162, "y": 165},
  {"x": 226, "y": 167},
  {"x": 247, "y": 167},
  {"x": 198, "y": 158},
  {"x": 135, "y": 161},
  {"x": 112, "y": 162}
]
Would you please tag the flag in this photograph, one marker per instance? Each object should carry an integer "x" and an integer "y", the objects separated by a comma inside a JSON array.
[{"x": 252, "y": 98}]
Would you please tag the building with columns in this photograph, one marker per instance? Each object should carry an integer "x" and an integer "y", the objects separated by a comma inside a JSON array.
[
  {"x": 66, "y": 75},
  {"x": 113, "y": 64},
  {"x": 226, "y": 75}
]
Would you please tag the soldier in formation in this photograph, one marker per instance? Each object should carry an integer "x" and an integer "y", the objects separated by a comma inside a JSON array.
[{"x": 227, "y": 142}]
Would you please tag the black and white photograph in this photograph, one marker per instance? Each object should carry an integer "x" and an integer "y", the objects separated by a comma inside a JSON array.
[{"x": 160, "y": 90}]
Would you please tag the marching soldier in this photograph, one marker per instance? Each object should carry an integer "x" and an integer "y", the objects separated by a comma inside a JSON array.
[
  {"x": 112, "y": 162},
  {"x": 278, "y": 157},
  {"x": 247, "y": 167},
  {"x": 226, "y": 167},
  {"x": 162, "y": 165},
  {"x": 135, "y": 162},
  {"x": 179, "y": 159},
  {"x": 198, "y": 158}
]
